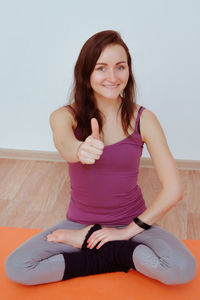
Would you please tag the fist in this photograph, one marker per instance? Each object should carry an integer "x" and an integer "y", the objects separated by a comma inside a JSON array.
[{"x": 92, "y": 148}]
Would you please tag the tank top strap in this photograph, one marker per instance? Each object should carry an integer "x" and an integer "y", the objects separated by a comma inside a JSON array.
[{"x": 137, "y": 122}]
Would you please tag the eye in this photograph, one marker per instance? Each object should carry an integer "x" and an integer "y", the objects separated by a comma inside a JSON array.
[
  {"x": 101, "y": 69},
  {"x": 121, "y": 68}
]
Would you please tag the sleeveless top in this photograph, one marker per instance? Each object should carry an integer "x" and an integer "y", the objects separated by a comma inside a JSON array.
[{"x": 107, "y": 192}]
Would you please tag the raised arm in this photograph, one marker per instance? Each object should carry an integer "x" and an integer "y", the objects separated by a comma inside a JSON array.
[
  {"x": 62, "y": 124},
  {"x": 72, "y": 150}
]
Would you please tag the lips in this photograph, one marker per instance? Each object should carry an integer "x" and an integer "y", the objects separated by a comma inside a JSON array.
[{"x": 113, "y": 86}]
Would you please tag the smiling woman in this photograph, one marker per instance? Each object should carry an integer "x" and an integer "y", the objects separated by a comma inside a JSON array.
[
  {"x": 110, "y": 75},
  {"x": 104, "y": 67},
  {"x": 101, "y": 136}
]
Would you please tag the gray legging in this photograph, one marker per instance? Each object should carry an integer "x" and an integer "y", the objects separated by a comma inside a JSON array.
[{"x": 160, "y": 256}]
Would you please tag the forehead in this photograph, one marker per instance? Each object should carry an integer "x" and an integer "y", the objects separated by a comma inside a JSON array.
[{"x": 112, "y": 54}]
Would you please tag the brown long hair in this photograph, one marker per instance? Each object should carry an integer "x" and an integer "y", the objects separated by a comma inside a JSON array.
[{"x": 82, "y": 93}]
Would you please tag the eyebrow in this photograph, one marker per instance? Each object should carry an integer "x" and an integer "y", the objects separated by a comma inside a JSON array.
[{"x": 118, "y": 63}]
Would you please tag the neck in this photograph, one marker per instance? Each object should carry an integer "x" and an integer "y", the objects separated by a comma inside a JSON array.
[{"x": 108, "y": 106}]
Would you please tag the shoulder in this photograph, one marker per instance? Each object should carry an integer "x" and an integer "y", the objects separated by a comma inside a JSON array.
[
  {"x": 148, "y": 116},
  {"x": 150, "y": 124},
  {"x": 62, "y": 115}
]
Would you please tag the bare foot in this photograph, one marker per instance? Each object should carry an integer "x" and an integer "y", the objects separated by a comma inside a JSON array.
[{"x": 72, "y": 237}]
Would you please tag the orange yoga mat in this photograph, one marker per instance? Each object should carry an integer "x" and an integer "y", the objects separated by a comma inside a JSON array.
[{"x": 112, "y": 286}]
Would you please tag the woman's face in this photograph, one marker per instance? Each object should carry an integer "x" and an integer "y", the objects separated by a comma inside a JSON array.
[{"x": 111, "y": 73}]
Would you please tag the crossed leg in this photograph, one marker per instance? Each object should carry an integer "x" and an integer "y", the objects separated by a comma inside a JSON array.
[
  {"x": 160, "y": 255},
  {"x": 39, "y": 261}
]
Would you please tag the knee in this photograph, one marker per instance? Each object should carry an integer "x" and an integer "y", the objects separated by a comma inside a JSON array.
[
  {"x": 16, "y": 269},
  {"x": 182, "y": 272},
  {"x": 169, "y": 269}
]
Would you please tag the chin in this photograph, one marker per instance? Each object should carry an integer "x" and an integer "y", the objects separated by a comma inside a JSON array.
[{"x": 111, "y": 96}]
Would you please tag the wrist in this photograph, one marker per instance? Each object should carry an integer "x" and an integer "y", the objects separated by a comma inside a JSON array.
[
  {"x": 131, "y": 230},
  {"x": 141, "y": 224}
]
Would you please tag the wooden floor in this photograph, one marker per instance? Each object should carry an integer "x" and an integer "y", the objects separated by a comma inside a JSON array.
[{"x": 35, "y": 194}]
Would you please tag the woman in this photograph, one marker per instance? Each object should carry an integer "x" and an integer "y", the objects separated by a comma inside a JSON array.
[{"x": 101, "y": 135}]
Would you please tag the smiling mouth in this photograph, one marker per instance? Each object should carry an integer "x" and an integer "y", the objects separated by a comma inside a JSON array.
[{"x": 114, "y": 86}]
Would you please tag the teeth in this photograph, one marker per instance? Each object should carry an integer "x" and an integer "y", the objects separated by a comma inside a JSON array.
[{"x": 111, "y": 86}]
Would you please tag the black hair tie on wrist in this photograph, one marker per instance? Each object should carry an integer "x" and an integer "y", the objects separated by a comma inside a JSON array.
[{"x": 141, "y": 224}]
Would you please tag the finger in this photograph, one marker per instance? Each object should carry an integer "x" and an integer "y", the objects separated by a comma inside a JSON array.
[
  {"x": 93, "y": 245},
  {"x": 87, "y": 161},
  {"x": 94, "y": 235},
  {"x": 91, "y": 150},
  {"x": 95, "y": 129},
  {"x": 95, "y": 241},
  {"x": 89, "y": 156},
  {"x": 91, "y": 141},
  {"x": 101, "y": 244}
]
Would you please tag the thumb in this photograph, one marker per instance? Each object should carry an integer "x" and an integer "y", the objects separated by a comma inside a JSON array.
[{"x": 95, "y": 128}]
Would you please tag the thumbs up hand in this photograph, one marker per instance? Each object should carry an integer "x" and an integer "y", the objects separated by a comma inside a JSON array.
[{"x": 92, "y": 148}]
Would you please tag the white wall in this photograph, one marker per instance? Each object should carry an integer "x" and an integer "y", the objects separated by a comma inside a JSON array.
[{"x": 40, "y": 42}]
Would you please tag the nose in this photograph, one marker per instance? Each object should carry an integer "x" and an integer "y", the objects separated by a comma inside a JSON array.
[{"x": 111, "y": 76}]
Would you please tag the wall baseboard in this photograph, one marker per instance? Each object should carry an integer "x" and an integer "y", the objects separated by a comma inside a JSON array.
[
  {"x": 54, "y": 156},
  {"x": 182, "y": 164}
]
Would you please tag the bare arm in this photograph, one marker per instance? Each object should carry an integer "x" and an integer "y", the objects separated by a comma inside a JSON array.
[
  {"x": 165, "y": 166},
  {"x": 72, "y": 150},
  {"x": 62, "y": 122}
]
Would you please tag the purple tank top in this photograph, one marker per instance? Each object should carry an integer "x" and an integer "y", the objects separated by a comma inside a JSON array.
[{"x": 107, "y": 191}]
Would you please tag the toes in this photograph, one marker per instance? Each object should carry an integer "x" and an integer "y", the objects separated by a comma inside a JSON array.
[{"x": 51, "y": 238}]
